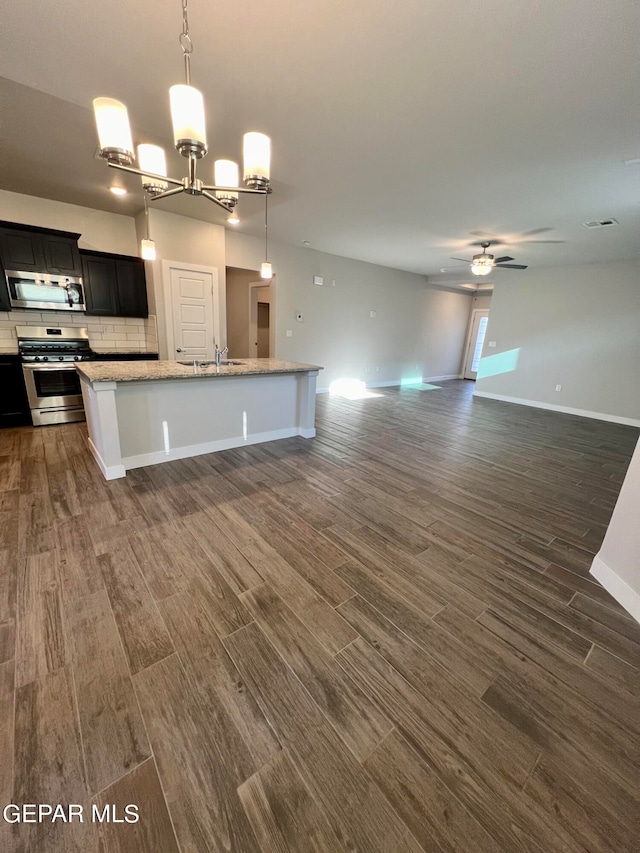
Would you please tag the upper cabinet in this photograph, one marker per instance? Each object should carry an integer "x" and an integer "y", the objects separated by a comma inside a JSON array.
[
  {"x": 30, "y": 249},
  {"x": 114, "y": 285}
]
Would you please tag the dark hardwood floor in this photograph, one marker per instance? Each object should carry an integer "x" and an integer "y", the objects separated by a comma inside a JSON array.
[{"x": 382, "y": 640}]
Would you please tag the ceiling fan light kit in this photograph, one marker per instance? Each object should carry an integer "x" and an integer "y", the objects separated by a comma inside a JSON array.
[
  {"x": 189, "y": 132},
  {"x": 484, "y": 262}
]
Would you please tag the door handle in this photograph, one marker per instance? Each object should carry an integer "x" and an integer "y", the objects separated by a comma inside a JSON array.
[{"x": 178, "y": 350}]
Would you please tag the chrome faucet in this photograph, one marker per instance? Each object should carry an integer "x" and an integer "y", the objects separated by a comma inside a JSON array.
[{"x": 220, "y": 353}]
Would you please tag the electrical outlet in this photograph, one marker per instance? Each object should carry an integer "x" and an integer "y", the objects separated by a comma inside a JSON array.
[
  {"x": 558, "y": 387},
  {"x": 289, "y": 333},
  {"x": 333, "y": 282},
  {"x": 491, "y": 344},
  {"x": 377, "y": 368},
  {"x": 317, "y": 279}
]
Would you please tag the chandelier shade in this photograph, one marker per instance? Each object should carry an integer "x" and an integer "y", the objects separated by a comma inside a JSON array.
[
  {"x": 481, "y": 267},
  {"x": 114, "y": 131},
  {"x": 226, "y": 174},
  {"x": 151, "y": 159},
  {"x": 148, "y": 250},
  {"x": 187, "y": 117},
  {"x": 257, "y": 159}
]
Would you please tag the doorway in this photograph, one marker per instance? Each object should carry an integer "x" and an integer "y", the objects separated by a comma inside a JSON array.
[
  {"x": 192, "y": 310},
  {"x": 260, "y": 325},
  {"x": 479, "y": 321}
]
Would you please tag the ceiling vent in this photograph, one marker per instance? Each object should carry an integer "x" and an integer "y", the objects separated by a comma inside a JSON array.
[{"x": 600, "y": 223}]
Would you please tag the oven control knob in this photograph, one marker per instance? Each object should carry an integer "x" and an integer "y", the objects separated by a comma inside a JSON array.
[
  {"x": 60, "y": 358},
  {"x": 37, "y": 358},
  {"x": 76, "y": 358},
  {"x": 45, "y": 358}
]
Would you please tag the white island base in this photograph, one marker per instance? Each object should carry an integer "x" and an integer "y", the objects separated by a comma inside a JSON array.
[{"x": 137, "y": 422}]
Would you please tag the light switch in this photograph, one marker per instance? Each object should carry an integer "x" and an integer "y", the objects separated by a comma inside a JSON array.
[
  {"x": 491, "y": 344},
  {"x": 289, "y": 333},
  {"x": 317, "y": 279},
  {"x": 372, "y": 315}
]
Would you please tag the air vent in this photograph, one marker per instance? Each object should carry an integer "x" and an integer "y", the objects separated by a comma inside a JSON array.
[{"x": 600, "y": 223}]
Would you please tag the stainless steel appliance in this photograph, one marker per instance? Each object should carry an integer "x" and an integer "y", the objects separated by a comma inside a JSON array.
[
  {"x": 49, "y": 357},
  {"x": 44, "y": 291}
]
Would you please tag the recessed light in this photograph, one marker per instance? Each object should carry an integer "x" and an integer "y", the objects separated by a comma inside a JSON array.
[{"x": 118, "y": 190}]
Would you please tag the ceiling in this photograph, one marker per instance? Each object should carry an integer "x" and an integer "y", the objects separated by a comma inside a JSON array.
[{"x": 398, "y": 129}]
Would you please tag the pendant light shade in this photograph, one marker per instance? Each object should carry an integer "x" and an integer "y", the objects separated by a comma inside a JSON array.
[
  {"x": 226, "y": 174},
  {"x": 187, "y": 117},
  {"x": 257, "y": 160},
  {"x": 151, "y": 159},
  {"x": 265, "y": 270},
  {"x": 114, "y": 131},
  {"x": 148, "y": 250}
]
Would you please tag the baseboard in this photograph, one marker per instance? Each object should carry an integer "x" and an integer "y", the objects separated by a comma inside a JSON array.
[
  {"x": 441, "y": 378},
  {"x": 110, "y": 472},
  {"x": 616, "y": 587},
  {"x": 583, "y": 413},
  {"x": 159, "y": 456}
]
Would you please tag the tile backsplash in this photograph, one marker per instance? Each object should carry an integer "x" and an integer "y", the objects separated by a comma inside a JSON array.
[{"x": 106, "y": 334}]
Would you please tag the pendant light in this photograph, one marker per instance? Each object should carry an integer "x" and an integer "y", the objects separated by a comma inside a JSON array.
[
  {"x": 190, "y": 139},
  {"x": 147, "y": 246},
  {"x": 265, "y": 269}
]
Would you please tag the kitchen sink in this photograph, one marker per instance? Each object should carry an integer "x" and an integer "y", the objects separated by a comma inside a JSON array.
[{"x": 223, "y": 363}]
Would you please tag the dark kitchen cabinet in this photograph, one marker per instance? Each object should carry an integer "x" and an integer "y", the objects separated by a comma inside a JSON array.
[
  {"x": 14, "y": 405},
  {"x": 30, "y": 249},
  {"x": 114, "y": 285},
  {"x": 5, "y": 305}
]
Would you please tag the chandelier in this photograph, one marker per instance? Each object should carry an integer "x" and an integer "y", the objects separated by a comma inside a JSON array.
[{"x": 187, "y": 116}]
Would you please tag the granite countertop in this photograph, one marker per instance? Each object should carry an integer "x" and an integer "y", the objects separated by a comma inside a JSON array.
[{"x": 145, "y": 371}]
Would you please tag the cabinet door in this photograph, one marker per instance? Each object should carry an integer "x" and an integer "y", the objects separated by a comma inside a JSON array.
[
  {"x": 21, "y": 250},
  {"x": 61, "y": 255},
  {"x": 100, "y": 286},
  {"x": 4, "y": 294},
  {"x": 14, "y": 406},
  {"x": 132, "y": 288}
]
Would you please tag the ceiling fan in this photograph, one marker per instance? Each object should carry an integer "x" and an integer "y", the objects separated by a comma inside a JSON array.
[
  {"x": 483, "y": 263},
  {"x": 525, "y": 237}
]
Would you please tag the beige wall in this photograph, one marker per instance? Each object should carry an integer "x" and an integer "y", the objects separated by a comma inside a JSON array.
[
  {"x": 417, "y": 331},
  {"x": 181, "y": 239},
  {"x": 100, "y": 231},
  {"x": 578, "y": 327}
]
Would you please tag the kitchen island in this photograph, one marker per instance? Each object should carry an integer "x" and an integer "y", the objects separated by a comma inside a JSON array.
[{"x": 145, "y": 412}]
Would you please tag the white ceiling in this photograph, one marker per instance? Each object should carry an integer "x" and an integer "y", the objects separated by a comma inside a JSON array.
[{"x": 398, "y": 128}]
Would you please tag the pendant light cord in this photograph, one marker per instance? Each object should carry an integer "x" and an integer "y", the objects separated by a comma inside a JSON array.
[{"x": 266, "y": 208}]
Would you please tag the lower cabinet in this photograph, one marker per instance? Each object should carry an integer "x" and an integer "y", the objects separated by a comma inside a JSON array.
[
  {"x": 114, "y": 285},
  {"x": 14, "y": 405}
]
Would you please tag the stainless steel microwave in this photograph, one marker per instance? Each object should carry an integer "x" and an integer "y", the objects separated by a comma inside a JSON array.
[{"x": 44, "y": 291}]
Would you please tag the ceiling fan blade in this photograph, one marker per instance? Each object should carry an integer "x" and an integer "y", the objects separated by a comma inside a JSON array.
[
  {"x": 482, "y": 234},
  {"x": 510, "y": 267},
  {"x": 503, "y": 260},
  {"x": 524, "y": 242},
  {"x": 464, "y": 260},
  {"x": 535, "y": 231}
]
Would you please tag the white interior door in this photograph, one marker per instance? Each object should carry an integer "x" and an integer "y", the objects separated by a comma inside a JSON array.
[
  {"x": 193, "y": 319},
  {"x": 476, "y": 342}
]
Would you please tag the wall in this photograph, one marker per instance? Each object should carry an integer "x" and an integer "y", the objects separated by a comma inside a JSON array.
[
  {"x": 186, "y": 240},
  {"x": 617, "y": 564},
  {"x": 578, "y": 327},
  {"x": 100, "y": 231},
  {"x": 417, "y": 331},
  {"x": 104, "y": 232}
]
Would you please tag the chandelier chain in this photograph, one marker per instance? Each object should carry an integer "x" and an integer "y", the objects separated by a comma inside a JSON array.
[{"x": 185, "y": 43}]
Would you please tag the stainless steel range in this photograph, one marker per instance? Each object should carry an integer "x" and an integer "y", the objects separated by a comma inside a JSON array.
[{"x": 49, "y": 356}]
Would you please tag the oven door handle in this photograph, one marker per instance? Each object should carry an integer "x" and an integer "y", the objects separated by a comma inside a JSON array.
[{"x": 49, "y": 366}]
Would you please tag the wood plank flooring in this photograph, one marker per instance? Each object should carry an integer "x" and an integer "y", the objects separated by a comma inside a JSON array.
[{"x": 383, "y": 640}]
